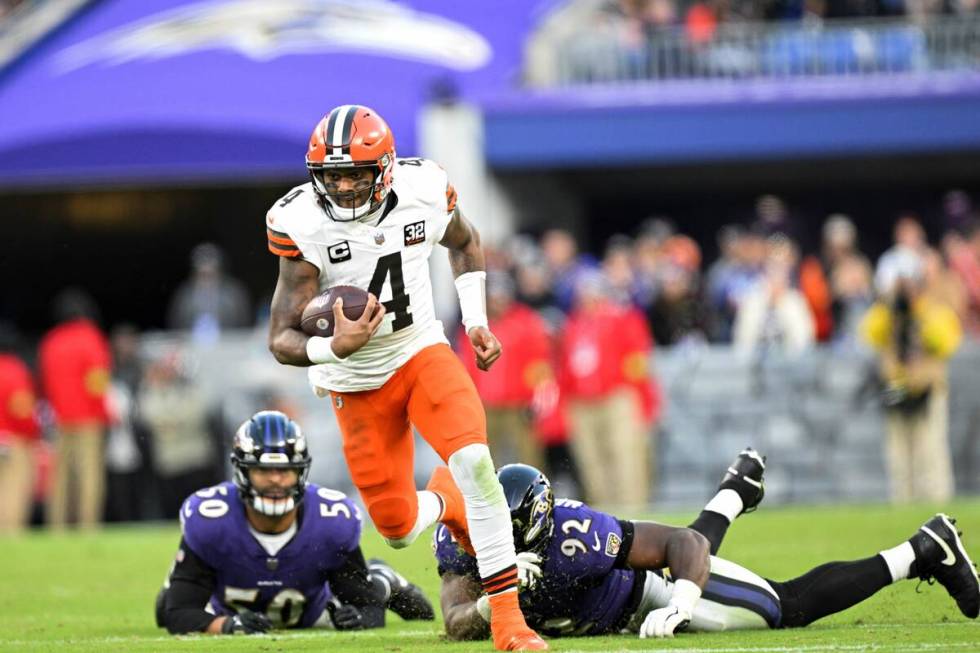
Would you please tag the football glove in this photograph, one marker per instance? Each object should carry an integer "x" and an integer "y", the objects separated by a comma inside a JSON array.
[
  {"x": 246, "y": 622},
  {"x": 528, "y": 570},
  {"x": 664, "y": 622},
  {"x": 345, "y": 616}
]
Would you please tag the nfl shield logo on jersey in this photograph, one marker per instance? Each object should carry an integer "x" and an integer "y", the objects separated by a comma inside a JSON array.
[
  {"x": 379, "y": 238},
  {"x": 613, "y": 544}
]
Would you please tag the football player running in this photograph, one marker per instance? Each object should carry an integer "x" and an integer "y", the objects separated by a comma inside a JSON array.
[
  {"x": 274, "y": 551},
  {"x": 370, "y": 220},
  {"x": 585, "y": 572}
]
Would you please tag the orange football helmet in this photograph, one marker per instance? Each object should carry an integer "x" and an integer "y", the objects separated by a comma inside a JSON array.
[{"x": 351, "y": 136}]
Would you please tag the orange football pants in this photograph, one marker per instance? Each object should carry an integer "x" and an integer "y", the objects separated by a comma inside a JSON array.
[{"x": 433, "y": 392}]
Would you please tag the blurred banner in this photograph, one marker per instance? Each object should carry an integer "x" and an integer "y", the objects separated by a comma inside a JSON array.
[{"x": 228, "y": 90}]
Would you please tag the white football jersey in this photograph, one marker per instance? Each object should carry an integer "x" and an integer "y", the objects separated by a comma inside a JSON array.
[{"x": 390, "y": 260}]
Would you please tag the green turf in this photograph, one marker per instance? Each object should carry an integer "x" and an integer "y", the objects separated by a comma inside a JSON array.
[{"x": 94, "y": 592}]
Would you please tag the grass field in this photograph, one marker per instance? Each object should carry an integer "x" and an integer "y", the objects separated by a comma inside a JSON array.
[{"x": 94, "y": 592}]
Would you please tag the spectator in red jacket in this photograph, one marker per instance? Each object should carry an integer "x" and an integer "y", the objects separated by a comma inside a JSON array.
[
  {"x": 605, "y": 378},
  {"x": 75, "y": 365},
  {"x": 18, "y": 434},
  {"x": 508, "y": 388}
]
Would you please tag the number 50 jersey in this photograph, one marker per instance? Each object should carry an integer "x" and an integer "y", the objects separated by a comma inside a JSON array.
[{"x": 389, "y": 259}]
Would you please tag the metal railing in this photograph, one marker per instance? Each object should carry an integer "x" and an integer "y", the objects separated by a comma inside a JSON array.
[{"x": 598, "y": 54}]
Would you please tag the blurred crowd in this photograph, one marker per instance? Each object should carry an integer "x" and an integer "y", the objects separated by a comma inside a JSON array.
[
  {"x": 579, "y": 330},
  {"x": 95, "y": 425},
  {"x": 762, "y": 291},
  {"x": 106, "y": 428}
]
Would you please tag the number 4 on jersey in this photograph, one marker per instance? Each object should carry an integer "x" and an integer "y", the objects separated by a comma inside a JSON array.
[{"x": 391, "y": 264}]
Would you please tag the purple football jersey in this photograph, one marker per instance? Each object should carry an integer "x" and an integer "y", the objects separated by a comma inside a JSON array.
[
  {"x": 580, "y": 592},
  {"x": 291, "y": 587}
]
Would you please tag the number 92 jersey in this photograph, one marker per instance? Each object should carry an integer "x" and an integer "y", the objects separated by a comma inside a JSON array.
[
  {"x": 389, "y": 259},
  {"x": 290, "y": 587},
  {"x": 585, "y": 588}
]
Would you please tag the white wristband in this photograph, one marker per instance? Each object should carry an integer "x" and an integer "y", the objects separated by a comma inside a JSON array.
[
  {"x": 320, "y": 350},
  {"x": 686, "y": 595},
  {"x": 472, "y": 290}
]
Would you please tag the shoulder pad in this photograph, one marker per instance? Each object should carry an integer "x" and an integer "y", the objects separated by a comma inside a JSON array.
[
  {"x": 205, "y": 515},
  {"x": 426, "y": 178},
  {"x": 335, "y": 514},
  {"x": 296, "y": 214}
]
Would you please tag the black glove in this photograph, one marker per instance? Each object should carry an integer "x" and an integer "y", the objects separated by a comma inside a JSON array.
[
  {"x": 246, "y": 622},
  {"x": 345, "y": 616}
]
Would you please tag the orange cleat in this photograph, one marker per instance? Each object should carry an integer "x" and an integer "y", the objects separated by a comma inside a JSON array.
[
  {"x": 454, "y": 509},
  {"x": 522, "y": 640},
  {"x": 510, "y": 631}
]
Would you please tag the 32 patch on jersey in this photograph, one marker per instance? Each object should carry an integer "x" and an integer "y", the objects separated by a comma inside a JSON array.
[
  {"x": 415, "y": 233},
  {"x": 613, "y": 543},
  {"x": 339, "y": 252}
]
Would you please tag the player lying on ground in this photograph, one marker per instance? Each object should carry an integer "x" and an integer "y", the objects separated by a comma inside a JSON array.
[
  {"x": 370, "y": 220},
  {"x": 585, "y": 572},
  {"x": 274, "y": 551}
]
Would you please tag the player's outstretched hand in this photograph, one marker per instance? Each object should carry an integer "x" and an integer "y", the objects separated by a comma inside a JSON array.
[
  {"x": 486, "y": 346},
  {"x": 345, "y": 616},
  {"x": 351, "y": 335},
  {"x": 528, "y": 569},
  {"x": 664, "y": 622},
  {"x": 246, "y": 622}
]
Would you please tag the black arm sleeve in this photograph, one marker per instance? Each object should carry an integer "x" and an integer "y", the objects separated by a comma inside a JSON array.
[
  {"x": 350, "y": 584},
  {"x": 627, "y": 544},
  {"x": 191, "y": 585}
]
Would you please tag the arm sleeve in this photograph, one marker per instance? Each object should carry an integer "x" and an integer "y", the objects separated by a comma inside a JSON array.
[
  {"x": 191, "y": 585},
  {"x": 627, "y": 544},
  {"x": 350, "y": 584}
]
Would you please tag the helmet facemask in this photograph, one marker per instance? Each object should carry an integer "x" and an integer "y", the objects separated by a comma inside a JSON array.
[
  {"x": 273, "y": 504},
  {"x": 373, "y": 191}
]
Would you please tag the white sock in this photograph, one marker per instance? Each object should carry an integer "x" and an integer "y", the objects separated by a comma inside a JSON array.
[
  {"x": 726, "y": 503},
  {"x": 486, "y": 509},
  {"x": 430, "y": 510},
  {"x": 899, "y": 560}
]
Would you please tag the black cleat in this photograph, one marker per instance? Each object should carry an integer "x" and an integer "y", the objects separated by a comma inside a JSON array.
[
  {"x": 404, "y": 598},
  {"x": 160, "y": 608},
  {"x": 744, "y": 476},
  {"x": 940, "y": 554}
]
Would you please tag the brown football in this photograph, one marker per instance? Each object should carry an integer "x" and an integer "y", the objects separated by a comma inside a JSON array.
[{"x": 317, "y": 319}]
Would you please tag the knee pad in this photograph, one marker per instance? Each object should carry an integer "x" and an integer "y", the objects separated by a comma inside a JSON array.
[{"x": 394, "y": 517}]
